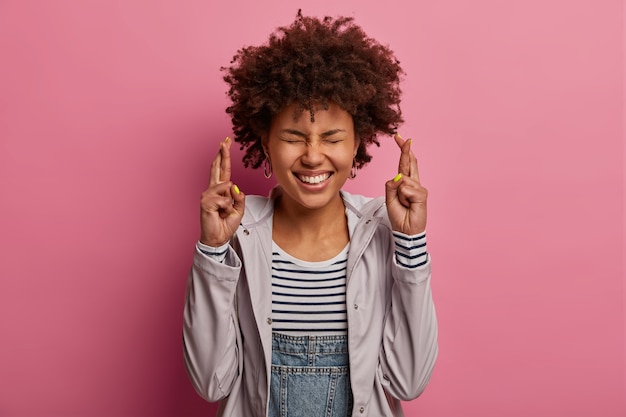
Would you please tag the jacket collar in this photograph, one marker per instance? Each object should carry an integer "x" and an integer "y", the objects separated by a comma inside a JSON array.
[{"x": 260, "y": 209}]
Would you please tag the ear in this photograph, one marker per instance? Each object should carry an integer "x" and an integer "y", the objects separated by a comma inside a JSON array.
[
  {"x": 265, "y": 143},
  {"x": 357, "y": 143}
]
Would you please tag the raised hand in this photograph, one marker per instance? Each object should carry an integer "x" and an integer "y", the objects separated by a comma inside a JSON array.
[
  {"x": 222, "y": 204},
  {"x": 405, "y": 196}
]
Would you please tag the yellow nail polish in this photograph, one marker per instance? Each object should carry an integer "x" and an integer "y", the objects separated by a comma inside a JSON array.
[
  {"x": 397, "y": 178},
  {"x": 236, "y": 189}
]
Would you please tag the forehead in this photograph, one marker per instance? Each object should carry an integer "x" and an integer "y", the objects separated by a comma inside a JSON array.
[{"x": 333, "y": 116}]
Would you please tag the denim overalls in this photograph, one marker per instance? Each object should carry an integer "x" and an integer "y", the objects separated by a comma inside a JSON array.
[{"x": 310, "y": 376}]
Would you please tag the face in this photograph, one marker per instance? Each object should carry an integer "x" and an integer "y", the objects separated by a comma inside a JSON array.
[{"x": 311, "y": 160}]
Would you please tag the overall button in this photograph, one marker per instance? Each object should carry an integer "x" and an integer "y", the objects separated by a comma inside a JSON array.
[
  {"x": 356, "y": 306},
  {"x": 362, "y": 410},
  {"x": 269, "y": 320}
]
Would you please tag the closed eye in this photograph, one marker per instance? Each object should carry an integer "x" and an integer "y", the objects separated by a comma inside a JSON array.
[{"x": 293, "y": 140}]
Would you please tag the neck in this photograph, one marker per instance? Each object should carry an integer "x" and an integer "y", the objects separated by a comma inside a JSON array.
[{"x": 311, "y": 222}]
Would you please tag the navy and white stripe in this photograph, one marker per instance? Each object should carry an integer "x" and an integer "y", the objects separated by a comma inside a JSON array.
[
  {"x": 309, "y": 297},
  {"x": 218, "y": 254},
  {"x": 410, "y": 250}
]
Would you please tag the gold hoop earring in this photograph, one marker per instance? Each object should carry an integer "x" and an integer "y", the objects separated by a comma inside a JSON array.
[{"x": 267, "y": 167}]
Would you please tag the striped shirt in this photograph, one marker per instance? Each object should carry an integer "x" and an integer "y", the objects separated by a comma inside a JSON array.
[{"x": 310, "y": 297}]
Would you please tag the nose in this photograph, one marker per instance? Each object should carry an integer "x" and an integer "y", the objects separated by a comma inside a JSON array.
[{"x": 313, "y": 154}]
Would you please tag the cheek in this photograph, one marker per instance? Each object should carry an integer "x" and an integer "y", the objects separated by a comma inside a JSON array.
[
  {"x": 284, "y": 158},
  {"x": 344, "y": 159},
  {"x": 286, "y": 155}
]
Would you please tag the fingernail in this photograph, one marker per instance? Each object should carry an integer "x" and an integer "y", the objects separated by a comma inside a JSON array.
[
  {"x": 397, "y": 134},
  {"x": 227, "y": 139},
  {"x": 236, "y": 189},
  {"x": 410, "y": 142},
  {"x": 397, "y": 178}
]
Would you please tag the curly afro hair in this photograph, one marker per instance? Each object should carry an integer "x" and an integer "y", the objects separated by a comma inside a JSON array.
[{"x": 314, "y": 61}]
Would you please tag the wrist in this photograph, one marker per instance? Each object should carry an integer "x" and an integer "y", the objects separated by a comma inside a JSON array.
[{"x": 212, "y": 242}]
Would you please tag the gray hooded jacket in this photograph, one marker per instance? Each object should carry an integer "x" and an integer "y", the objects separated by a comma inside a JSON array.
[{"x": 392, "y": 327}]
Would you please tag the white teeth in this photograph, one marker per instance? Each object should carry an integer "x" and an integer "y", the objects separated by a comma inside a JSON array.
[{"x": 314, "y": 180}]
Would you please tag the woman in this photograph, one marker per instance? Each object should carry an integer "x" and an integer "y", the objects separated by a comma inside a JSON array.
[{"x": 313, "y": 301}]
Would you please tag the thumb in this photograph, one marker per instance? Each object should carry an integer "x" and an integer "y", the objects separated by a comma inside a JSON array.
[
  {"x": 239, "y": 200},
  {"x": 391, "y": 188}
]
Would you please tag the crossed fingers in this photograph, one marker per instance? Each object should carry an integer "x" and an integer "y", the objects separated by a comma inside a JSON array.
[
  {"x": 408, "y": 162},
  {"x": 221, "y": 168}
]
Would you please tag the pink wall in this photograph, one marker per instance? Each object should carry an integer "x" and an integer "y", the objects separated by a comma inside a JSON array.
[{"x": 110, "y": 112}]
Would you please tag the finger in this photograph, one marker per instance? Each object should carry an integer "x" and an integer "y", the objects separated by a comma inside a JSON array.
[
  {"x": 214, "y": 177},
  {"x": 225, "y": 163},
  {"x": 411, "y": 191},
  {"x": 400, "y": 141},
  {"x": 413, "y": 171},
  {"x": 399, "y": 190},
  {"x": 413, "y": 167},
  {"x": 220, "y": 189},
  {"x": 217, "y": 203},
  {"x": 404, "y": 165}
]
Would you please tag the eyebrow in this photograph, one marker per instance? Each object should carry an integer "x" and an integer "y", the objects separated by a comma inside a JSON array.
[{"x": 305, "y": 136}]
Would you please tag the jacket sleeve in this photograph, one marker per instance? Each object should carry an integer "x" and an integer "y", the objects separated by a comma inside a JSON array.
[
  {"x": 409, "y": 346},
  {"x": 211, "y": 336}
]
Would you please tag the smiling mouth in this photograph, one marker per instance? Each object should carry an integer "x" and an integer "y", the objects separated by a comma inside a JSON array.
[{"x": 317, "y": 179}]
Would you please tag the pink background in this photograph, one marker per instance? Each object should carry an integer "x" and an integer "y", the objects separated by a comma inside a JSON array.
[{"x": 111, "y": 111}]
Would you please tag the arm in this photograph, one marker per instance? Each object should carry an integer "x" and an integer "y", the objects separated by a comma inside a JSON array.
[
  {"x": 211, "y": 338},
  {"x": 409, "y": 346},
  {"x": 211, "y": 335}
]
